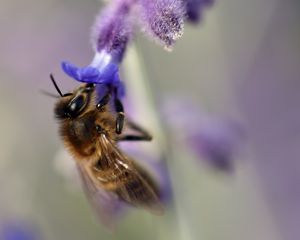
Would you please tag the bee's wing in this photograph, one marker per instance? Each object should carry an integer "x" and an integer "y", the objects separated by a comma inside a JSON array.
[
  {"x": 134, "y": 187},
  {"x": 106, "y": 204}
]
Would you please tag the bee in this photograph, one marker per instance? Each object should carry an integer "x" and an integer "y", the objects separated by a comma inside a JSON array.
[{"x": 90, "y": 131}]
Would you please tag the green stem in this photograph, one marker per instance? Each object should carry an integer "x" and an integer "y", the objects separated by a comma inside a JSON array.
[{"x": 138, "y": 88}]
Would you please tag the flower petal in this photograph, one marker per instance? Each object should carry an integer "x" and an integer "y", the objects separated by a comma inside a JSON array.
[
  {"x": 85, "y": 74},
  {"x": 70, "y": 70},
  {"x": 90, "y": 74},
  {"x": 119, "y": 85},
  {"x": 107, "y": 75}
]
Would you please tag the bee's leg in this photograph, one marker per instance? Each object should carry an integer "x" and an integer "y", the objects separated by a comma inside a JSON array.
[
  {"x": 134, "y": 138},
  {"x": 144, "y": 135},
  {"x": 120, "y": 115},
  {"x": 104, "y": 100}
]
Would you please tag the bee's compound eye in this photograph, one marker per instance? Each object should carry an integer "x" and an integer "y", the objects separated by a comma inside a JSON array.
[
  {"x": 73, "y": 106},
  {"x": 76, "y": 105}
]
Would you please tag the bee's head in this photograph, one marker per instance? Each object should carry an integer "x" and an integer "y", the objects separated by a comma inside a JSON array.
[{"x": 71, "y": 105}]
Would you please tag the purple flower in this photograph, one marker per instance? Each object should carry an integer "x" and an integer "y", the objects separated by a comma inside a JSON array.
[
  {"x": 100, "y": 71},
  {"x": 17, "y": 231},
  {"x": 217, "y": 141},
  {"x": 163, "y": 20},
  {"x": 194, "y": 9}
]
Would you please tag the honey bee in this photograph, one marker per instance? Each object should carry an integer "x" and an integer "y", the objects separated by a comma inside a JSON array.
[{"x": 90, "y": 131}]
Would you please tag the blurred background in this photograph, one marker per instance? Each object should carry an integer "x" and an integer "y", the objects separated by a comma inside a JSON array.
[{"x": 241, "y": 62}]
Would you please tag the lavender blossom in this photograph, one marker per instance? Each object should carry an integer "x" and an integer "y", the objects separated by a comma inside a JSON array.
[
  {"x": 163, "y": 20},
  {"x": 113, "y": 29},
  {"x": 194, "y": 9}
]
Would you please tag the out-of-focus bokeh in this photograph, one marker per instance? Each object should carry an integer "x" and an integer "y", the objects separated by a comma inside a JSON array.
[{"x": 242, "y": 62}]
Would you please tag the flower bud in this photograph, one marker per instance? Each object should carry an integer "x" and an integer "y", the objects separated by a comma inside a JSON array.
[
  {"x": 163, "y": 20},
  {"x": 113, "y": 29},
  {"x": 194, "y": 9}
]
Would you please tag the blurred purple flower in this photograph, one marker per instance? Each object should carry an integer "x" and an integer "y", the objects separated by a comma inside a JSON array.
[
  {"x": 163, "y": 20},
  {"x": 217, "y": 141},
  {"x": 194, "y": 9},
  {"x": 211, "y": 138},
  {"x": 17, "y": 231}
]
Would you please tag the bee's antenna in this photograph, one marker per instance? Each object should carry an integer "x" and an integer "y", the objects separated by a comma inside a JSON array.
[
  {"x": 49, "y": 94},
  {"x": 55, "y": 85}
]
